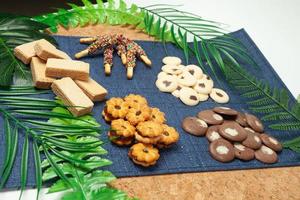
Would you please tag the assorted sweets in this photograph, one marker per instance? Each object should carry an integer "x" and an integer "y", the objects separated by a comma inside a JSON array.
[
  {"x": 134, "y": 123},
  {"x": 188, "y": 83},
  {"x": 233, "y": 134},
  {"x": 69, "y": 79},
  {"x": 127, "y": 49}
]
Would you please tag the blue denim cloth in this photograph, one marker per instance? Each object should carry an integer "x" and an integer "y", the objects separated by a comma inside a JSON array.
[{"x": 190, "y": 154}]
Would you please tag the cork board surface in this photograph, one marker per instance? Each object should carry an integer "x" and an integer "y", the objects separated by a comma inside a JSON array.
[{"x": 272, "y": 183}]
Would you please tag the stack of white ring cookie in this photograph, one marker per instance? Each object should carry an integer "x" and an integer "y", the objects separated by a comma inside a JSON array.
[{"x": 188, "y": 83}]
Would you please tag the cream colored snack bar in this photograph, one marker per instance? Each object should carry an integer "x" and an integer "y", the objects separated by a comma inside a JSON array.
[
  {"x": 43, "y": 51},
  {"x": 92, "y": 89},
  {"x": 26, "y": 51},
  {"x": 59, "y": 68},
  {"x": 71, "y": 95},
  {"x": 38, "y": 68}
]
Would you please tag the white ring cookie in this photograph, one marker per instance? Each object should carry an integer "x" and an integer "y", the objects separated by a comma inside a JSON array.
[
  {"x": 219, "y": 95},
  {"x": 182, "y": 67},
  {"x": 204, "y": 86},
  {"x": 162, "y": 74},
  {"x": 194, "y": 70},
  {"x": 186, "y": 79},
  {"x": 203, "y": 97},
  {"x": 167, "y": 83},
  {"x": 176, "y": 93},
  {"x": 172, "y": 69},
  {"x": 188, "y": 96},
  {"x": 171, "y": 60},
  {"x": 205, "y": 76}
]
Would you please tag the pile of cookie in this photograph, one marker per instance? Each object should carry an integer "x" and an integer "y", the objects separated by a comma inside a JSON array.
[
  {"x": 188, "y": 83},
  {"x": 69, "y": 79},
  {"x": 134, "y": 122},
  {"x": 233, "y": 134}
]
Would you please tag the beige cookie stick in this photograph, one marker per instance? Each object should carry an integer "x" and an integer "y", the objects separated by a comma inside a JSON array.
[
  {"x": 86, "y": 51},
  {"x": 97, "y": 43},
  {"x": 137, "y": 50},
  {"x": 88, "y": 40},
  {"x": 146, "y": 60}
]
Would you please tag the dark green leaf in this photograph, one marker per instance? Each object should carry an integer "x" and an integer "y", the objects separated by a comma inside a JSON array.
[
  {"x": 24, "y": 164},
  {"x": 38, "y": 168},
  {"x": 12, "y": 156},
  {"x": 8, "y": 135}
]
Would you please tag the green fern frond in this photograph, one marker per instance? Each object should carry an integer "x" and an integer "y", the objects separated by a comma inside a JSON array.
[
  {"x": 253, "y": 94},
  {"x": 260, "y": 102},
  {"x": 293, "y": 144},
  {"x": 277, "y": 116},
  {"x": 93, "y": 14},
  {"x": 271, "y": 102},
  {"x": 286, "y": 126},
  {"x": 266, "y": 109}
]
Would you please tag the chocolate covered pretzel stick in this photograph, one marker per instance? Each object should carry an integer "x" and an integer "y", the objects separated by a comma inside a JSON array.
[
  {"x": 121, "y": 50},
  {"x": 108, "y": 59},
  {"x": 127, "y": 49},
  {"x": 131, "y": 63}
]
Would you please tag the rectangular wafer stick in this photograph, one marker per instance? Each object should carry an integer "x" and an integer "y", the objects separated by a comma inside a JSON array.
[
  {"x": 59, "y": 68},
  {"x": 71, "y": 95},
  {"x": 26, "y": 51},
  {"x": 92, "y": 89},
  {"x": 43, "y": 51},
  {"x": 38, "y": 68}
]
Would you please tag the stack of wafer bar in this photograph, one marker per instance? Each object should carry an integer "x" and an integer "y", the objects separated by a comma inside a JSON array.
[
  {"x": 75, "y": 88},
  {"x": 72, "y": 96}
]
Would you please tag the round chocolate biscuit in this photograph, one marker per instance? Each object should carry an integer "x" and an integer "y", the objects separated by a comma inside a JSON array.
[
  {"x": 221, "y": 150},
  {"x": 252, "y": 141},
  {"x": 241, "y": 119},
  {"x": 232, "y": 131},
  {"x": 266, "y": 155},
  {"x": 249, "y": 130},
  {"x": 194, "y": 126},
  {"x": 212, "y": 133},
  {"x": 271, "y": 142},
  {"x": 242, "y": 152},
  {"x": 254, "y": 123},
  {"x": 225, "y": 111},
  {"x": 210, "y": 117}
]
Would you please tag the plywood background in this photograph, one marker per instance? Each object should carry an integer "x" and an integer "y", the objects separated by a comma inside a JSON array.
[{"x": 273, "y": 183}]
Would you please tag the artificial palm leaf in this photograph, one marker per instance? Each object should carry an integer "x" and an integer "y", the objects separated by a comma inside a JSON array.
[
  {"x": 15, "y": 31},
  {"x": 92, "y": 14},
  {"x": 70, "y": 144},
  {"x": 211, "y": 44},
  {"x": 272, "y": 103},
  {"x": 293, "y": 144}
]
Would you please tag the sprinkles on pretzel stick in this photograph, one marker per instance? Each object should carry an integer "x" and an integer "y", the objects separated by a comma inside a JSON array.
[{"x": 127, "y": 49}]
